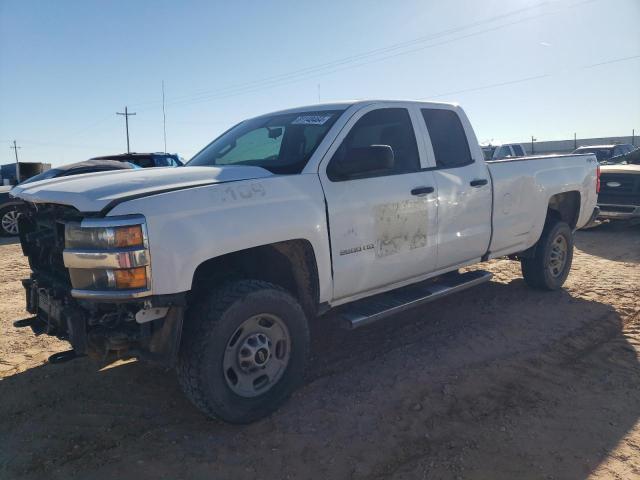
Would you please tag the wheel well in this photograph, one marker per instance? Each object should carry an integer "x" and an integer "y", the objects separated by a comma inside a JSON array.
[
  {"x": 565, "y": 207},
  {"x": 291, "y": 265}
]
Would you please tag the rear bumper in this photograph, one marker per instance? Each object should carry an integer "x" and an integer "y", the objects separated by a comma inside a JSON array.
[{"x": 618, "y": 212}]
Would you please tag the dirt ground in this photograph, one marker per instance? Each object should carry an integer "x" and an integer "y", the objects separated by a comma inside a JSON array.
[{"x": 497, "y": 382}]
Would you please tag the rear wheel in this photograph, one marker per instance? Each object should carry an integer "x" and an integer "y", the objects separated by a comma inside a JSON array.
[
  {"x": 244, "y": 350},
  {"x": 550, "y": 264},
  {"x": 9, "y": 221}
]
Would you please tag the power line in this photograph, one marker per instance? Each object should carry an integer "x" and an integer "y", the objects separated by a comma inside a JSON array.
[
  {"x": 63, "y": 144},
  {"x": 337, "y": 65},
  {"x": 527, "y": 79},
  {"x": 432, "y": 96},
  {"x": 280, "y": 83},
  {"x": 126, "y": 122},
  {"x": 350, "y": 61}
]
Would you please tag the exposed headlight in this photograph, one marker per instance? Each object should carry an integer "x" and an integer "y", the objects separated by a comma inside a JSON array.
[
  {"x": 97, "y": 238},
  {"x": 108, "y": 257}
]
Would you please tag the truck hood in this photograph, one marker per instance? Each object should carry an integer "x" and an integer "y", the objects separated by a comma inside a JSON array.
[
  {"x": 92, "y": 192},
  {"x": 620, "y": 169}
]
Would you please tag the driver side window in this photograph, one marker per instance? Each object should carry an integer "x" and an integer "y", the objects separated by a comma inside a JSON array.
[{"x": 385, "y": 126}]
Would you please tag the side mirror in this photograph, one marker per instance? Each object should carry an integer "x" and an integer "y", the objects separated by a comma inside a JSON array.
[
  {"x": 365, "y": 160},
  {"x": 274, "y": 132}
]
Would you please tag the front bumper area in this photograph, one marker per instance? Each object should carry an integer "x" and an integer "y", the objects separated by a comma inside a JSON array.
[{"x": 106, "y": 331}]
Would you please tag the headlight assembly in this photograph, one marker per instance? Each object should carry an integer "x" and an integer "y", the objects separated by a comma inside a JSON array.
[
  {"x": 108, "y": 257},
  {"x": 76, "y": 236}
]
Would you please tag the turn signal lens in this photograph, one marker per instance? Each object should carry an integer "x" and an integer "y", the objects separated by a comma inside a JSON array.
[
  {"x": 128, "y": 236},
  {"x": 131, "y": 278}
]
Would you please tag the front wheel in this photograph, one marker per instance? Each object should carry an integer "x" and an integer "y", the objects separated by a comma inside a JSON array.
[
  {"x": 550, "y": 264},
  {"x": 244, "y": 350},
  {"x": 9, "y": 221}
]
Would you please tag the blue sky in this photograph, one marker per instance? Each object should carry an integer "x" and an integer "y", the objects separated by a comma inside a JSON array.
[{"x": 518, "y": 67}]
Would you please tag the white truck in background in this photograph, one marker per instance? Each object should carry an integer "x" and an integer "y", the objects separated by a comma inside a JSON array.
[
  {"x": 502, "y": 151},
  {"x": 217, "y": 267}
]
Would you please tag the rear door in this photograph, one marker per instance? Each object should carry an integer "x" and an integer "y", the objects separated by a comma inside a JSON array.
[
  {"x": 464, "y": 189},
  {"x": 382, "y": 224}
]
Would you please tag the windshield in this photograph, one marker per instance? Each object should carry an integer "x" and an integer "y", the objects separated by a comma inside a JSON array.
[{"x": 280, "y": 143}]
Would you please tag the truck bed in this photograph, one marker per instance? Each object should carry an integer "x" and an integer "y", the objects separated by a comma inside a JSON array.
[{"x": 521, "y": 195}]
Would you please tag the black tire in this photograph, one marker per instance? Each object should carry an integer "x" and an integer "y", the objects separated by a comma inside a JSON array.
[
  {"x": 208, "y": 330},
  {"x": 539, "y": 271}
]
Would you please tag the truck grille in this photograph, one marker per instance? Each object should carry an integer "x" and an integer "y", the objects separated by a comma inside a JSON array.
[
  {"x": 42, "y": 239},
  {"x": 626, "y": 191}
]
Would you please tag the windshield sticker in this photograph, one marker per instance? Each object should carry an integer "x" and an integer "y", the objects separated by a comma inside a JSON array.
[{"x": 311, "y": 120}]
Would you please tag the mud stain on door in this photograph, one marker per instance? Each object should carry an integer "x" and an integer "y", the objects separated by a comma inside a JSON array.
[{"x": 400, "y": 226}]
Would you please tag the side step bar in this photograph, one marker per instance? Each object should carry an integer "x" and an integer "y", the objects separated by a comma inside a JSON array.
[{"x": 369, "y": 310}]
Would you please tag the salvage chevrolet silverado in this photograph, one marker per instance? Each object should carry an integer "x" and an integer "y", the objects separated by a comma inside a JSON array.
[{"x": 363, "y": 208}]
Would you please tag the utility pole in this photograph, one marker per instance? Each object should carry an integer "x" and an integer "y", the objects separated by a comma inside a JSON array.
[
  {"x": 633, "y": 137},
  {"x": 164, "y": 120},
  {"x": 126, "y": 122},
  {"x": 575, "y": 141},
  {"x": 15, "y": 150},
  {"x": 532, "y": 148}
]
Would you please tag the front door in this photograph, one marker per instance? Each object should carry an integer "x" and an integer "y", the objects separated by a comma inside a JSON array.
[{"x": 382, "y": 223}]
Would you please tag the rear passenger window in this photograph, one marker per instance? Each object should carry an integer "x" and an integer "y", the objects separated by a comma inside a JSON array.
[
  {"x": 517, "y": 149},
  {"x": 385, "y": 126},
  {"x": 448, "y": 139},
  {"x": 503, "y": 152}
]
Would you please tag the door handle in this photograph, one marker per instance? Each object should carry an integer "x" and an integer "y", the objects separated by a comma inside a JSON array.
[
  {"x": 419, "y": 191},
  {"x": 478, "y": 182}
]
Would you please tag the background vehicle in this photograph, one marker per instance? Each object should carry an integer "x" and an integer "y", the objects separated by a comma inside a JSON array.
[
  {"x": 146, "y": 160},
  {"x": 619, "y": 197},
  {"x": 605, "y": 153},
  {"x": 507, "y": 150},
  {"x": 9, "y": 207},
  {"x": 27, "y": 170},
  {"x": 217, "y": 267}
]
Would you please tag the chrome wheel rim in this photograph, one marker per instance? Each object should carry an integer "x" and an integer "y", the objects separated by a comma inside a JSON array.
[
  {"x": 10, "y": 222},
  {"x": 558, "y": 256},
  {"x": 257, "y": 355}
]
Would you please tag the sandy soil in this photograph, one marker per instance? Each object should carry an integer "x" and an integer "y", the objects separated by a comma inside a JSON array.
[{"x": 498, "y": 382}]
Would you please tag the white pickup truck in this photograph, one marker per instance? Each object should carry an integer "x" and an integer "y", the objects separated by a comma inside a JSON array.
[{"x": 217, "y": 267}]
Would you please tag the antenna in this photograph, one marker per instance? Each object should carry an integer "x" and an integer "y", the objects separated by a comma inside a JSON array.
[{"x": 164, "y": 120}]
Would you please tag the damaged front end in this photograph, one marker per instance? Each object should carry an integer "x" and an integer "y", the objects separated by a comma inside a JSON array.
[{"x": 91, "y": 285}]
